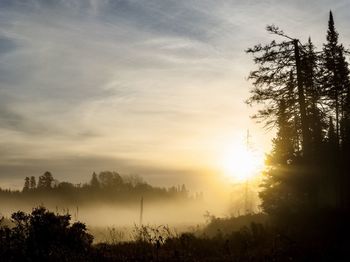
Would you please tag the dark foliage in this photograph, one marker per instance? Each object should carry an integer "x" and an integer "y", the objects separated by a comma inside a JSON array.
[
  {"x": 305, "y": 96},
  {"x": 253, "y": 242},
  {"x": 44, "y": 236}
]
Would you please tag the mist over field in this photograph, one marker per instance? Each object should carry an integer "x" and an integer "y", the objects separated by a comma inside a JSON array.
[
  {"x": 170, "y": 212},
  {"x": 113, "y": 206},
  {"x": 109, "y": 199}
]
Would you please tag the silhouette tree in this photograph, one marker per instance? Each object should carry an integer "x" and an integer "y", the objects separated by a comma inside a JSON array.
[
  {"x": 45, "y": 181},
  {"x": 336, "y": 75},
  {"x": 312, "y": 75},
  {"x": 110, "y": 179},
  {"x": 279, "y": 75},
  {"x": 306, "y": 97},
  {"x": 94, "y": 181},
  {"x": 32, "y": 183},
  {"x": 26, "y": 186},
  {"x": 279, "y": 193}
]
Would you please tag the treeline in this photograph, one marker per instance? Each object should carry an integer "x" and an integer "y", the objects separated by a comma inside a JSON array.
[
  {"x": 304, "y": 93},
  {"x": 104, "y": 187}
]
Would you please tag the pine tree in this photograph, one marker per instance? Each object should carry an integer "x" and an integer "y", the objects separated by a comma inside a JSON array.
[
  {"x": 26, "y": 184},
  {"x": 32, "y": 183},
  {"x": 279, "y": 194},
  {"x": 278, "y": 64},
  {"x": 337, "y": 85},
  {"x": 283, "y": 143},
  {"x": 336, "y": 77},
  {"x": 313, "y": 89},
  {"x": 301, "y": 89},
  {"x": 45, "y": 181},
  {"x": 94, "y": 181}
]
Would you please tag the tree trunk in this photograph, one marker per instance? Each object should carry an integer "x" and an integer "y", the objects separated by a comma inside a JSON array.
[{"x": 301, "y": 100}]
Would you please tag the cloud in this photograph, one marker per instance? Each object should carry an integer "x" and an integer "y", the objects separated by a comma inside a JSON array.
[{"x": 6, "y": 45}]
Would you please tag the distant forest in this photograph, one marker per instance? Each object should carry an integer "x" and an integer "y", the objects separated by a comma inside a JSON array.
[{"x": 104, "y": 187}]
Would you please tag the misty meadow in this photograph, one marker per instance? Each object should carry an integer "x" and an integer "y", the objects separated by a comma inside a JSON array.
[{"x": 174, "y": 130}]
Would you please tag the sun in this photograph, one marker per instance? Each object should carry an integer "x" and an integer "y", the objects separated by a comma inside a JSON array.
[{"x": 240, "y": 163}]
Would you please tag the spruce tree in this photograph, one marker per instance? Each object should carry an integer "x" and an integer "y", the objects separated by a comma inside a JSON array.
[
  {"x": 336, "y": 78},
  {"x": 26, "y": 184}
]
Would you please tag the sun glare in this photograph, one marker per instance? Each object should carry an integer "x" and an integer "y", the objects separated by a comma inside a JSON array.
[{"x": 241, "y": 164}]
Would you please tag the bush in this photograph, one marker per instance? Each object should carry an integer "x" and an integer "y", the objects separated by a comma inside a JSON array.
[{"x": 44, "y": 236}]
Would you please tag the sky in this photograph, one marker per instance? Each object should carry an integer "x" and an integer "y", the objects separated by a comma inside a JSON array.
[{"x": 154, "y": 87}]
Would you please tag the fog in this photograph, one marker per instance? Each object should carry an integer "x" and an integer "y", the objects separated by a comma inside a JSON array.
[
  {"x": 114, "y": 206},
  {"x": 100, "y": 218},
  {"x": 173, "y": 212}
]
